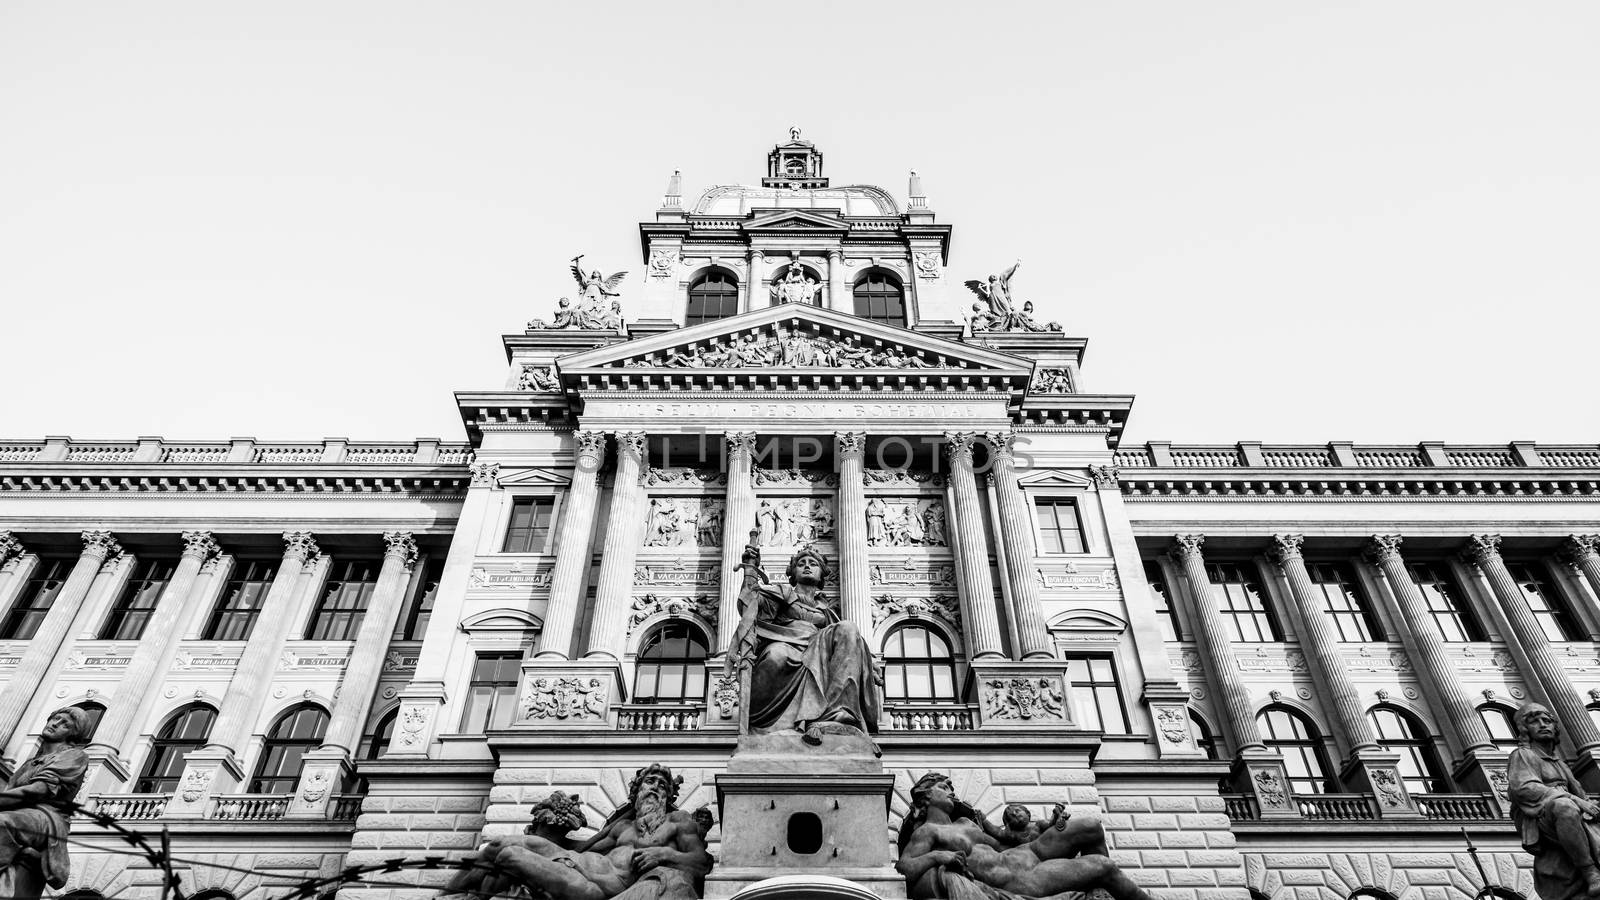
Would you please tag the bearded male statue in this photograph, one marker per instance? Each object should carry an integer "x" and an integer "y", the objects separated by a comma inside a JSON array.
[
  {"x": 1554, "y": 815},
  {"x": 648, "y": 850}
]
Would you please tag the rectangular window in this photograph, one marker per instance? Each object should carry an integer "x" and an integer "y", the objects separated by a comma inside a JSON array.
[
  {"x": 1166, "y": 613},
  {"x": 530, "y": 525},
  {"x": 344, "y": 601},
  {"x": 492, "y": 696},
  {"x": 1059, "y": 529},
  {"x": 138, "y": 599},
  {"x": 416, "y": 618},
  {"x": 1097, "y": 701},
  {"x": 1547, "y": 603},
  {"x": 1446, "y": 602},
  {"x": 1243, "y": 602},
  {"x": 234, "y": 616},
  {"x": 36, "y": 598},
  {"x": 1344, "y": 601}
]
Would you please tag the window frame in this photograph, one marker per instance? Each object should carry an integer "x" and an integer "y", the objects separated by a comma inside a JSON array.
[
  {"x": 50, "y": 574},
  {"x": 175, "y": 748},
  {"x": 288, "y": 744},
  {"x": 725, "y": 276},
  {"x": 1099, "y": 692},
  {"x": 1441, "y": 610},
  {"x": 1313, "y": 746},
  {"x": 418, "y": 613},
  {"x": 1558, "y": 620},
  {"x": 898, "y": 294},
  {"x": 1040, "y": 530},
  {"x": 1358, "y": 607},
  {"x": 1419, "y": 751},
  {"x": 225, "y": 615},
  {"x": 1236, "y": 615},
  {"x": 126, "y": 620},
  {"x": 342, "y": 623},
  {"x": 1166, "y": 610},
  {"x": 1507, "y": 740},
  {"x": 933, "y": 664},
  {"x": 497, "y": 693},
  {"x": 693, "y": 668},
  {"x": 545, "y": 537}
]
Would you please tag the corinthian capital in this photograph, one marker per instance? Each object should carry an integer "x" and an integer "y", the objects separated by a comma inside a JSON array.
[
  {"x": 1187, "y": 546},
  {"x": 486, "y": 473},
  {"x": 200, "y": 545},
  {"x": 850, "y": 443},
  {"x": 101, "y": 544},
  {"x": 1580, "y": 548},
  {"x": 1482, "y": 549},
  {"x": 299, "y": 546},
  {"x": 958, "y": 446},
  {"x": 741, "y": 443},
  {"x": 401, "y": 544},
  {"x": 1000, "y": 442},
  {"x": 591, "y": 445},
  {"x": 10, "y": 548},
  {"x": 1286, "y": 547},
  {"x": 1104, "y": 476},
  {"x": 1384, "y": 548},
  {"x": 630, "y": 443}
]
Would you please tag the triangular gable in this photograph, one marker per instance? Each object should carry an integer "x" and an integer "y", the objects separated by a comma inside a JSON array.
[
  {"x": 796, "y": 337},
  {"x": 796, "y": 219},
  {"x": 529, "y": 477},
  {"x": 1050, "y": 477}
]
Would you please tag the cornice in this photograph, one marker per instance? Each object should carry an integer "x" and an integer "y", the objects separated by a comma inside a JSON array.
[{"x": 1346, "y": 486}]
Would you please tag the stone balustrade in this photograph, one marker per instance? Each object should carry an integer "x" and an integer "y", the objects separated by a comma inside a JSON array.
[
  {"x": 239, "y": 451},
  {"x": 228, "y": 807},
  {"x": 1341, "y": 455}
]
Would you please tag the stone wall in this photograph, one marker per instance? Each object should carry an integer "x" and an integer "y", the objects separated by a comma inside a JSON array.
[{"x": 1418, "y": 874}]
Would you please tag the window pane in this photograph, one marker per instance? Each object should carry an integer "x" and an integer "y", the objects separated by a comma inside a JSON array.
[
  {"x": 918, "y": 666},
  {"x": 1059, "y": 530}
]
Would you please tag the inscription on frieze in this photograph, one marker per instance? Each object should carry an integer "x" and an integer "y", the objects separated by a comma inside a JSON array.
[
  {"x": 678, "y": 573},
  {"x": 1075, "y": 577},
  {"x": 913, "y": 575},
  {"x": 508, "y": 577},
  {"x": 1264, "y": 659}
]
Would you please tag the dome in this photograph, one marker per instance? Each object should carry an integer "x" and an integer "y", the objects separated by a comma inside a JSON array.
[{"x": 850, "y": 200}]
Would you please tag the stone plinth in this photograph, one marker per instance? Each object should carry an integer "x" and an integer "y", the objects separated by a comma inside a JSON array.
[
  {"x": 787, "y": 807},
  {"x": 558, "y": 693},
  {"x": 1025, "y": 694}
]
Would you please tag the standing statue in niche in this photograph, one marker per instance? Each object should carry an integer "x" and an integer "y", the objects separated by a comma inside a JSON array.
[
  {"x": 33, "y": 829},
  {"x": 947, "y": 850},
  {"x": 648, "y": 850},
  {"x": 809, "y": 671},
  {"x": 795, "y": 287},
  {"x": 1557, "y": 820}
]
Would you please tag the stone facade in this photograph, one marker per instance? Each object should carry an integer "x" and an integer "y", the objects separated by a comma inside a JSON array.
[{"x": 1061, "y": 618}]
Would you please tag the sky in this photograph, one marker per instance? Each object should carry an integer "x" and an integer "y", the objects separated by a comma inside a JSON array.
[{"x": 1288, "y": 222}]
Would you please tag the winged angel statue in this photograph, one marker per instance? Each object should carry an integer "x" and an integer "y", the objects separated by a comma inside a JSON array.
[
  {"x": 996, "y": 311},
  {"x": 597, "y": 308}
]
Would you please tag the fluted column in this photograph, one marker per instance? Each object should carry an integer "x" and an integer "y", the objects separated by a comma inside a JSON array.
[
  {"x": 12, "y": 577},
  {"x": 1583, "y": 551},
  {"x": 1238, "y": 713},
  {"x": 738, "y": 517},
  {"x": 1525, "y": 633},
  {"x": 242, "y": 702},
  {"x": 979, "y": 617},
  {"x": 838, "y": 294},
  {"x": 573, "y": 540},
  {"x": 614, "y": 591},
  {"x": 366, "y": 657},
  {"x": 159, "y": 642},
  {"x": 1333, "y": 678},
  {"x": 98, "y": 547},
  {"x": 1427, "y": 645},
  {"x": 855, "y": 598},
  {"x": 1016, "y": 535}
]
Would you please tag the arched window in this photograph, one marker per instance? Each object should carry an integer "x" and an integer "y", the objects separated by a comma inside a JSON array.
[
  {"x": 671, "y": 666},
  {"x": 879, "y": 297},
  {"x": 96, "y": 711},
  {"x": 185, "y": 730},
  {"x": 714, "y": 296},
  {"x": 1400, "y": 732},
  {"x": 294, "y": 734},
  {"x": 1497, "y": 719},
  {"x": 1204, "y": 738},
  {"x": 374, "y": 744},
  {"x": 1370, "y": 894},
  {"x": 1304, "y": 753},
  {"x": 918, "y": 666}
]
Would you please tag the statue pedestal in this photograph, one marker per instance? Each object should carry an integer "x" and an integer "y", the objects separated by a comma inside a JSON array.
[{"x": 789, "y": 808}]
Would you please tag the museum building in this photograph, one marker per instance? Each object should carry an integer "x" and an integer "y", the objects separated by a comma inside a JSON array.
[{"x": 1281, "y": 672}]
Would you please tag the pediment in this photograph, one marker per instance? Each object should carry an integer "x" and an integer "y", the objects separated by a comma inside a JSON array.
[
  {"x": 802, "y": 340},
  {"x": 526, "y": 477},
  {"x": 795, "y": 220},
  {"x": 1055, "y": 478}
]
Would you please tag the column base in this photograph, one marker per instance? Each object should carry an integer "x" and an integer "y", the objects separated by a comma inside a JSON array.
[
  {"x": 569, "y": 694},
  {"x": 207, "y": 772},
  {"x": 1169, "y": 711},
  {"x": 1378, "y": 772},
  {"x": 418, "y": 722},
  {"x": 1016, "y": 694},
  {"x": 1485, "y": 771},
  {"x": 1262, "y": 773},
  {"x": 323, "y": 772}
]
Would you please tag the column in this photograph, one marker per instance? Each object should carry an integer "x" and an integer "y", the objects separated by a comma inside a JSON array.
[
  {"x": 157, "y": 645},
  {"x": 424, "y": 697},
  {"x": 838, "y": 294},
  {"x": 573, "y": 541},
  {"x": 215, "y": 768},
  {"x": 738, "y": 518},
  {"x": 1583, "y": 551},
  {"x": 978, "y": 613},
  {"x": 753, "y": 294},
  {"x": 1211, "y": 633},
  {"x": 1333, "y": 679},
  {"x": 1016, "y": 538},
  {"x": 1426, "y": 645},
  {"x": 98, "y": 547},
  {"x": 855, "y": 598},
  {"x": 1526, "y": 635},
  {"x": 328, "y": 766},
  {"x": 614, "y": 591},
  {"x": 12, "y": 576}
]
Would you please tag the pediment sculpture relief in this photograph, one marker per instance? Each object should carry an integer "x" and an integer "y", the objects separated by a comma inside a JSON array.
[{"x": 788, "y": 351}]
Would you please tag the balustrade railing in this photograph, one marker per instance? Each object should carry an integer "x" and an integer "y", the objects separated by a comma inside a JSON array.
[
  {"x": 249, "y": 807},
  {"x": 1241, "y": 807},
  {"x": 930, "y": 717},
  {"x": 130, "y": 807},
  {"x": 660, "y": 717},
  {"x": 1337, "y": 807},
  {"x": 347, "y": 806},
  {"x": 1457, "y": 806},
  {"x": 242, "y": 451}
]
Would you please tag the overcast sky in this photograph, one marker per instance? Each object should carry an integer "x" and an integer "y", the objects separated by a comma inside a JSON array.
[{"x": 1273, "y": 221}]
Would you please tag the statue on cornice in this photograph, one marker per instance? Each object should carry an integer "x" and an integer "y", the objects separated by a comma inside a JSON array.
[
  {"x": 796, "y": 286},
  {"x": 596, "y": 309},
  {"x": 996, "y": 309}
]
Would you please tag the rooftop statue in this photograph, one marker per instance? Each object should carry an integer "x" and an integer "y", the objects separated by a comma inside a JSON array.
[
  {"x": 809, "y": 671},
  {"x": 948, "y": 850},
  {"x": 33, "y": 829},
  {"x": 1550, "y": 809},
  {"x": 997, "y": 309},
  {"x": 596, "y": 310},
  {"x": 648, "y": 850}
]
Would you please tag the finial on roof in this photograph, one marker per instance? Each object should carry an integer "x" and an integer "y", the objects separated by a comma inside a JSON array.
[
  {"x": 674, "y": 196},
  {"x": 794, "y": 132},
  {"x": 919, "y": 200}
]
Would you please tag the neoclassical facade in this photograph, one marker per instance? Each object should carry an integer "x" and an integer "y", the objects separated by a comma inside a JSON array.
[{"x": 1281, "y": 671}]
